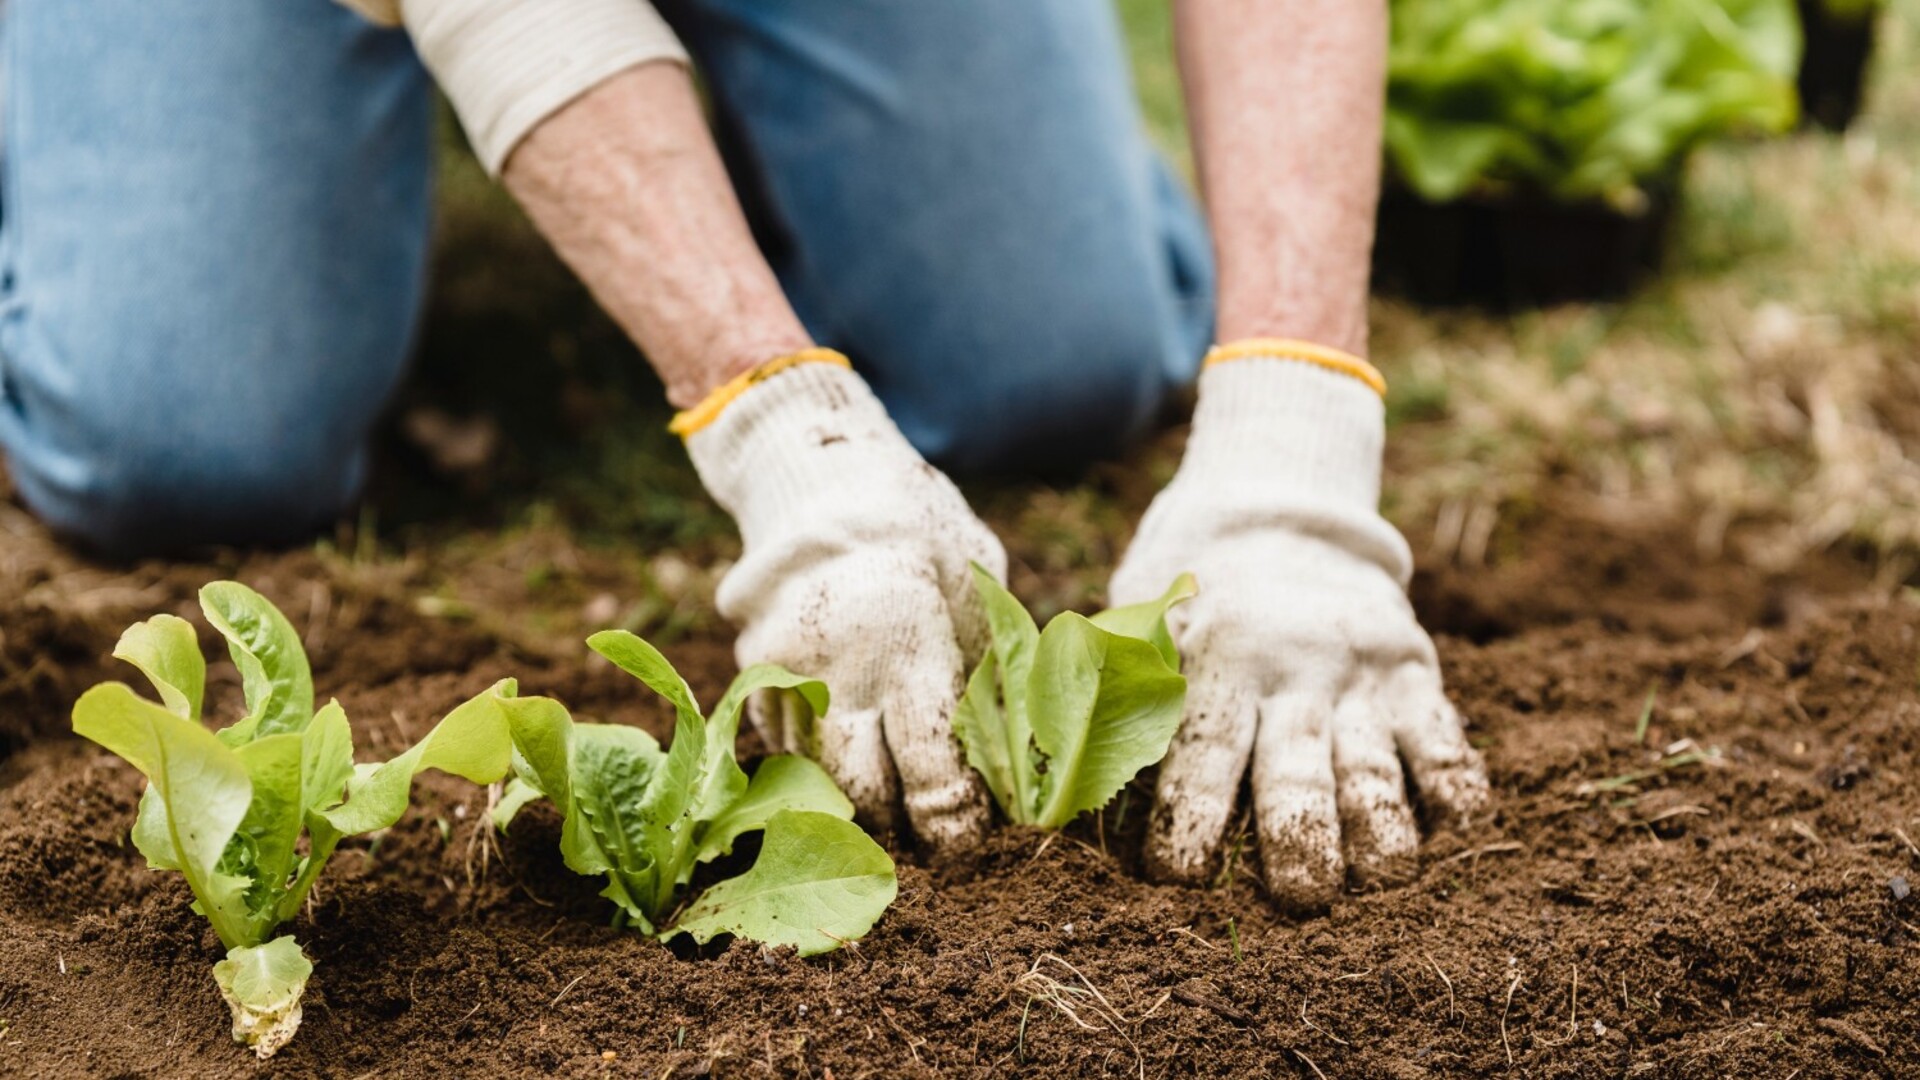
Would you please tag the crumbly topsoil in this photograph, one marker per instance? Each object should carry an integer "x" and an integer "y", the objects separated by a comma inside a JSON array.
[{"x": 1746, "y": 914}]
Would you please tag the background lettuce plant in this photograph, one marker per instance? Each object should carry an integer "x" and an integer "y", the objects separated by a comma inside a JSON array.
[
  {"x": 250, "y": 814},
  {"x": 1057, "y": 722},
  {"x": 1579, "y": 99},
  {"x": 647, "y": 818}
]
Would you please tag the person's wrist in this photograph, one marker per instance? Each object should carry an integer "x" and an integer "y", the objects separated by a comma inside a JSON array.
[
  {"x": 697, "y": 417},
  {"x": 1346, "y": 331},
  {"x": 708, "y": 368},
  {"x": 645, "y": 214},
  {"x": 1302, "y": 351}
]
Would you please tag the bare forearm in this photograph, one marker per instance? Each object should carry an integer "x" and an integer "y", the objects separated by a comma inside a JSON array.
[
  {"x": 627, "y": 185},
  {"x": 1285, "y": 101}
]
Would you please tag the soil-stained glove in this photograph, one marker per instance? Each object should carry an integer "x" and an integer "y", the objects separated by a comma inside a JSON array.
[
  {"x": 1301, "y": 650},
  {"x": 855, "y": 572}
]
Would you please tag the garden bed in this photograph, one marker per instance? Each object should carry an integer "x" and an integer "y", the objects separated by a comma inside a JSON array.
[{"x": 1629, "y": 910}]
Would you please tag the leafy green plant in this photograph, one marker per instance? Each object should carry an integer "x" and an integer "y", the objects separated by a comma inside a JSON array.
[
  {"x": 251, "y": 813},
  {"x": 1057, "y": 722},
  {"x": 1579, "y": 99},
  {"x": 647, "y": 818}
]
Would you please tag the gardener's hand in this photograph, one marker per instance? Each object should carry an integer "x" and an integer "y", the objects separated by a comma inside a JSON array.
[
  {"x": 1301, "y": 649},
  {"x": 855, "y": 572}
]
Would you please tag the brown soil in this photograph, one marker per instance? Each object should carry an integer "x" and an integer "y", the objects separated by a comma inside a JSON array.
[{"x": 1748, "y": 916}]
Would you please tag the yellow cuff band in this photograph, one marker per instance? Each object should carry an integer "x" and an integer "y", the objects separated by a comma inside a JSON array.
[
  {"x": 689, "y": 421},
  {"x": 1304, "y": 351}
]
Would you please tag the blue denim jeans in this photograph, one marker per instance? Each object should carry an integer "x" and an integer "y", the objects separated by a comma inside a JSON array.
[{"x": 214, "y": 234}]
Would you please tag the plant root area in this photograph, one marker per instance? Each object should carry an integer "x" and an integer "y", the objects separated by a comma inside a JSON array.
[{"x": 1700, "y": 862}]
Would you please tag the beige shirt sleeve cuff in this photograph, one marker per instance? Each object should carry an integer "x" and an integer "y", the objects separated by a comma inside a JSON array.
[{"x": 509, "y": 64}]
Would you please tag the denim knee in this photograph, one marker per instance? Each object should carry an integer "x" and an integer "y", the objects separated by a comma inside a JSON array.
[
  {"x": 134, "y": 512},
  {"x": 114, "y": 468},
  {"x": 1043, "y": 394},
  {"x": 213, "y": 257}
]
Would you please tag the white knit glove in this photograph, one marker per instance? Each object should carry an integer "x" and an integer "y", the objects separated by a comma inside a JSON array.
[
  {"x": 1301, "y": 649},
  {"x": 855, "y": 572}
]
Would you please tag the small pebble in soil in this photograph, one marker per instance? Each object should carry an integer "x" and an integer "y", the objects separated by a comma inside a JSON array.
[
  {"x": 609, "y": 1055},
  {"x": 1899, "y": 887}
]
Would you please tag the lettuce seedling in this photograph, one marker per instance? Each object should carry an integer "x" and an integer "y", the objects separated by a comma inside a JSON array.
[
  {"x": 1579, "y": 100},
  {"x": 646, "y": 818},
  {"x": 250, "y": 814},
  {"x": 1057, "y": 722}
]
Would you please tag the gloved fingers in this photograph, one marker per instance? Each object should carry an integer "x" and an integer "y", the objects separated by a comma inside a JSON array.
[
  {"x": 785, "y": 722},
  {"x": 851, "y": 746},
  {"x": 1200, "y": 776},
  {"x": 1133, "y": 581},
  {"x": 963, "y": 600},
  {"x": 1378, "y": 835},
  {"x": 1447, "y": 771},
  {"x": 1294, "y": 798},
  {"x": 944, "y": 800}
]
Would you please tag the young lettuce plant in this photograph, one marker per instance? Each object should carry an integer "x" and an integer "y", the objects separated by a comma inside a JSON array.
[
  {"x": 229, "y": 809},
  {"x": 1057, "y": 722},
  {"x": 646, "y": 818}
]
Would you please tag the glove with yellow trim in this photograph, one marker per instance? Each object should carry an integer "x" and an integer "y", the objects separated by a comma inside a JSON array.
[
  {"x": 855, "y": 572},
  {"x": 1301, "y": 650}
]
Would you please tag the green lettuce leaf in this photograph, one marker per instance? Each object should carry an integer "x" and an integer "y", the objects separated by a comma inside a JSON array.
[
  {"x": 1057, "y": 721},
  {"x": 326, "y": 763},
  {"x": 262, "y": 985},
  {"x": 724, "y": 782},
  {"x": 229, "y": 809},
  {"x": 991, "y": 743},
  {"x": 991, "y": 720},
  {"x": 273, "y": 665},
  {"x": 782, "y": 782},
  {"x": 612, "y": 767},
  {"x": 271, "y": 829},
  {"x": 199, "y": 786},
  {"x": 819, "y": 883},
  {"x": 644, "y": 662},
  {"x": 1104, "y": 707},
  {"x": 1579, "y": 100},
  {"x": 645, "y": 819},
  {"x": 514, "y": 798},
  {"x": 326, "y": 759},
  {"x": 470, "y": 742},
  {"x": 1147, "y": 620},
  {"x": 595, "y": 776},
  {"x": 167, "y": 652}
]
